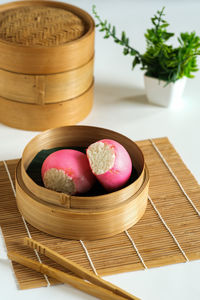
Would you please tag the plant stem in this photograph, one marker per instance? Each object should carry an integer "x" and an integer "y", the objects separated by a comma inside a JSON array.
[
  {"x": 110, "y": 33},
  {"x": 160, "y": 14}
]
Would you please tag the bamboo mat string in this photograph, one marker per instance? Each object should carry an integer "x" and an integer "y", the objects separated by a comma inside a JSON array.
[
  {"x": 167, "y": 227},
  {"x": 10, "y": 179},
  {"x": 136, "y": 249},
  {"x": 172, "y": 173},
  {"x": 24, "y": 221},
  {"x": 88, "y": 257}
]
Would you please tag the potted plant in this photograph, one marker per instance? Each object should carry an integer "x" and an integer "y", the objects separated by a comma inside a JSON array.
[{"x": 166, "y": 67}]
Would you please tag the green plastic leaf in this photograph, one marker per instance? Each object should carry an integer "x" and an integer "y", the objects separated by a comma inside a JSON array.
[
  {"x": 106, "y": 36},
  {"x": 116, "y": 40},
  {"x": 164, "y": 25},
  {"x": 135, "y": 62},
  {"x": 133, "y": 52},
  {"x": 113, "y": 30},
  {"x": 125, "y": 51},
  {"x": 127, "y": 42},
  {"x": 123, "y": 37}
]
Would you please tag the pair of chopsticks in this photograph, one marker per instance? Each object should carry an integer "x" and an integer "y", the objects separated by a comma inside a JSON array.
[{"x": 84, "y": 280}]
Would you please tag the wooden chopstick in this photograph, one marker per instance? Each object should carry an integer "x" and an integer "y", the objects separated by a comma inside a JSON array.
[
  {"x": 77, "y": 269},
  {"x": 74, "y": 281}
]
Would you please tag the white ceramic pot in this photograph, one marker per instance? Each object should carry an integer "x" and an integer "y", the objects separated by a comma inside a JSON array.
[{"x": 158, "y": 93}]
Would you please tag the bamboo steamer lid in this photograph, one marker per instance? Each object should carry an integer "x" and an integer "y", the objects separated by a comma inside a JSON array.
[{"x": 44, "y": 37}]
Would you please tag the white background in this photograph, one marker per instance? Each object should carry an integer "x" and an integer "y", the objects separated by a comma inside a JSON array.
[{"x": 120, "y": 105}]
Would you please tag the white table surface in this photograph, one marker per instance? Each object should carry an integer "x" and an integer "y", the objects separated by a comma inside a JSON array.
[{"x": 120, "y": 105}]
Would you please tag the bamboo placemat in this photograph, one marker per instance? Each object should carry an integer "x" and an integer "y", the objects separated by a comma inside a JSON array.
[{"x": 168, "y": 232}]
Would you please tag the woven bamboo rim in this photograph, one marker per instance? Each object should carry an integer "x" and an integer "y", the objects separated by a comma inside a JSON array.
[
  {"x": 41, "y": 117},
  {"x": 72, "y": 136},
  {"x": 47, "y": 60},
  {"x": 42, "y": 89},
  {"x": 79, "y": 224}
]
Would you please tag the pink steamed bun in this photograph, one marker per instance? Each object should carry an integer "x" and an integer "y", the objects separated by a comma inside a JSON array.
[
  {"x": 67, "y": 171},
  {"x": 110, "y": 163}
]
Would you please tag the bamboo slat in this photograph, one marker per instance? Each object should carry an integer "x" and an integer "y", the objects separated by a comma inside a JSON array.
[{"x": 116, "y": 254}]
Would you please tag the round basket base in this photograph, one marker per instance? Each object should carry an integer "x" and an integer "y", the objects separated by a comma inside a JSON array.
[
  {"x": 88, "y": 224},
  {"x": 41, "y": 117}
]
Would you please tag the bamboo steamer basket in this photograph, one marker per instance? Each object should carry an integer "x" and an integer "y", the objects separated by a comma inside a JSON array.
[
  {"x": 40, "y": 117},
  {"x": 80, "y": 217},
  {"x": 47, "y": 57},
  {"x": 43, "y": 89}
]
